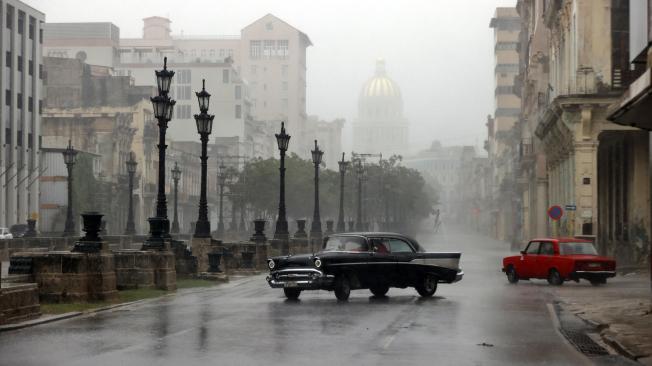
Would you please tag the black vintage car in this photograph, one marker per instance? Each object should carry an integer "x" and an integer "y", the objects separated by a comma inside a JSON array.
[{"x": 374, "y": 261}]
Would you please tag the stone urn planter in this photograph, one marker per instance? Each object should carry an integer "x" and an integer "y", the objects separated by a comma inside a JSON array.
[
  {"x": 31, "y": 228},
  {"x": 91, "y": 241},
  {"x": 301, "y": 229},
  {"x": 329, "y": 227},
  {"x": 214, "y": 260},
  {"x": 259, "y": 231}
]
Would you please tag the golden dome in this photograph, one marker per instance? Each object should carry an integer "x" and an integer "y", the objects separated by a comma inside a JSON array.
[{"x": 380, "y": 85}]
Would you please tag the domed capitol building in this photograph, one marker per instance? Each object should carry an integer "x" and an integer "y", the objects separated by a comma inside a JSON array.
[{"x": 380, "y": 126}]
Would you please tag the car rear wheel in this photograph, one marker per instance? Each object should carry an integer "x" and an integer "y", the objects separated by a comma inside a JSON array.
[
  {"x": 292, "y": 293},
  {"x": 599, "y": 282},
  {"x": 380, "y": 290},
  {"x": 342, "y": 288},
  {"x": 554, "y": 278},
  {"x": 427, "y": 285},
  {"x": 512, "y": 276}
]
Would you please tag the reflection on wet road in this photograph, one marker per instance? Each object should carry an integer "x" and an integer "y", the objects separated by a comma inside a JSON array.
[{"x": 479, "y": 321}]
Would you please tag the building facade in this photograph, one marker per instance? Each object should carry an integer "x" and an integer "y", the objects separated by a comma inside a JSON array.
[
  {"x": 502, "y": 139},
  {"x": 380, "y": 126}
]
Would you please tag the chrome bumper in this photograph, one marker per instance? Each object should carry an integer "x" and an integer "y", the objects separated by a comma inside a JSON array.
[
  {"x": 589, "y": 275},
  {"x": 303, "y": 278},
  {"x": 459, "y": 276}
]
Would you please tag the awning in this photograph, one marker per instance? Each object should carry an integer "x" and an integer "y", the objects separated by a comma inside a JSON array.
[{"x": 635, "y": 106}]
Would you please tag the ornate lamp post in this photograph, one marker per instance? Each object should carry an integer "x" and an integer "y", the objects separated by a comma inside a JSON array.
[
  {"x": 131, "y": 170},
  {"x": 221, "y": 179},
  {"x": 176, "y": 175},
  {"x": 360, "y": 171},
  {"x": 283, "y": 140},
  {"x": 70, "y": 158},
  {"x": 340, "y": 219},
  {"x": 204, "y": 127},
  {"x": 163, "y": 106},
  {"x": 315, "y": 227}
]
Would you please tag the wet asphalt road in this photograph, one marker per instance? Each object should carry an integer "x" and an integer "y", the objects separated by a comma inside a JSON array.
[{"x": 247, "y": 323}]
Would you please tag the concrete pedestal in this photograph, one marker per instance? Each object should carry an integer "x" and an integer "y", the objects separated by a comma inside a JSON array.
[
  {"x": 18, "y": 302},
  {"x": 200, "y": 248}
]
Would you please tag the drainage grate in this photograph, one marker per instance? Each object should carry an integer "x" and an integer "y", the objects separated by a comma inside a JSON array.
[{"x": 583, "y": 343}]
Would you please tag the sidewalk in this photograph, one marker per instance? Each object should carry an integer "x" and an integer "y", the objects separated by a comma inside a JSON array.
[{"x": 621, "y": 311}]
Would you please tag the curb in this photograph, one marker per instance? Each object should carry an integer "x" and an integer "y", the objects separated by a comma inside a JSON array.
[
  {"x": 613, "y": 342},
  {"x": 38, "y": 321}
]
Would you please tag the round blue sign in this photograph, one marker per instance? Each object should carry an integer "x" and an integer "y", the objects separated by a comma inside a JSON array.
[{"x": 555, "y": 212}]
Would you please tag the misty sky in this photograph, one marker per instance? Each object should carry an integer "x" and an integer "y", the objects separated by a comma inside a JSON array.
[{"x": 440, "y": 52}]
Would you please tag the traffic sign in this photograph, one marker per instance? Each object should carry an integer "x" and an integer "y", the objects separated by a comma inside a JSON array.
[
  {"x": 555, "y": 212},
  {"x": 570, "y": 208}
]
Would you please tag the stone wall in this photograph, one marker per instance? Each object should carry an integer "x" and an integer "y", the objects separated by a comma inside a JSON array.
[
  {"x": 67, "y": 276},
  {"x": 18, "y": 302},
  {"x": 145, "y": 269}
]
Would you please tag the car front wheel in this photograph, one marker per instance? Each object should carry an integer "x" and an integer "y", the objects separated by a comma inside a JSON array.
[
  {"x": 292, "y": 293},
  {"x": 512, "y": 276},
  {"x": 554, "y": 278},
  {"x": 342, "y": 288},
  {"x": 380, "y": 290},
  {"x": 427, "y": 286}
]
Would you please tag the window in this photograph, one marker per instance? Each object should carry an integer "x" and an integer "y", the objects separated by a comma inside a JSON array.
[
  {"x": 399, "y": 246},
  {"x": 19, "y": 101},
  {"x": 505, "y": 46},
  {"x": 183, "y": 112},
  {"x": 30, "y": 140},
  {"x": 183, "y": 92},
  {"x": 577, "y": 248},
  {"x": 8, "y": 97},
  {"x": 225, "y": 76},
  {"x": 40, "y": 38},
  {"x": 282, "y": 51},
  {"x": 221, "y": 52},
  {"x": 504, "y": 68},
  {"x": 31, "y": 27},
  {"x": 254, "y": 69},
  {"x": 10, "y": 17},
  {"x": 212, "y": 53},
  {"x": 285, "y": 85},
  {"x": 31, "y": 67},
  {"x": 547, "y": 248},
  {"x": 40, "y": 106},
  {"x": 254, "y": 49},
  {"x": 203, "y": 53},
  {"x": 40, "y": 71},
  {"x": 19, "y": 137},
  {"x": 21, "y": 22},
  {"x": 268, "y": 48},
  {"x": 30, "y": 104},
  {"x": 284, "y": 103},
  {"x": 230, "y": 52},
  {"x": 284, "y": 70},
  {"x": 340, "y": 243},
  {"x": 8, "y": 59},
  {"x": 184, "y": 77},
  {"x": 20, "y": 63},
  {"x": 533, "y": 248},
  {"x": 238, "y": 111},
  {"x": 238, "y": 92}
]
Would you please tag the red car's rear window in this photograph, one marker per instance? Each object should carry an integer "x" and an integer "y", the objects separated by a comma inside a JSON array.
[{"x": 573, "y": 248}]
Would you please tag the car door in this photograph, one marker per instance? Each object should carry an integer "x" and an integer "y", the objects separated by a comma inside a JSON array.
[
  {"x": 405, "y": 271},
  {"x": 544, "y": 259},
  {"x": 382, "y": 264},
  {"x": 528, "y": 263}
]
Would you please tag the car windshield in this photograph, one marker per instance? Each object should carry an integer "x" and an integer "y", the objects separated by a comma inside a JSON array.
[
  {"x": 577, "y": 248},
  {"x": 346, "y": 243}
]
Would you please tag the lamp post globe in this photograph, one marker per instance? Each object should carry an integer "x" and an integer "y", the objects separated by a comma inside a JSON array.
[
  {"x": 130, "y": 229},
  {"x": 204, "y": 127},
  {"x": 281, "y": 232},
  {"x": 69, "y": 158},
  {"x": 340, "y": 218},
  {"x": 315, "y": 228},
  {"x": 176, "y": 176}
]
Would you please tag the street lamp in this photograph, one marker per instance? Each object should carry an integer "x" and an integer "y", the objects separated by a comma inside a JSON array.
[
  {"x": 163, "y": 106},
  {"x": 204, "y": 127},
  {"x": 221, "y": 180},
  {"x": 360, "y": 171},
  {"x": 283, "y": 140},
  {"x": 315, "y": 228},
  {"x": 131, "y": 170},
  {"x": 340, "y": 219},
  {"x": 69, "y": 158},
  {"x": 176, "y": 175}
]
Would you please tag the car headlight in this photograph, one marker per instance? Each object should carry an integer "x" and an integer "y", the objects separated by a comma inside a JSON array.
[
  {"x": 271, "y": 264},
  {"x": 317, "y": 262}
]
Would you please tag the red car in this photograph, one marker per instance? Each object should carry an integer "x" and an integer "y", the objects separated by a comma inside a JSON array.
[{"x": 559, "y": 260}]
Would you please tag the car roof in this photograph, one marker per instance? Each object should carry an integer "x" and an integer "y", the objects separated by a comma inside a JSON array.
[
  {"x": 372, "y": 233},
  {"x": 563, "y": 240}
]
